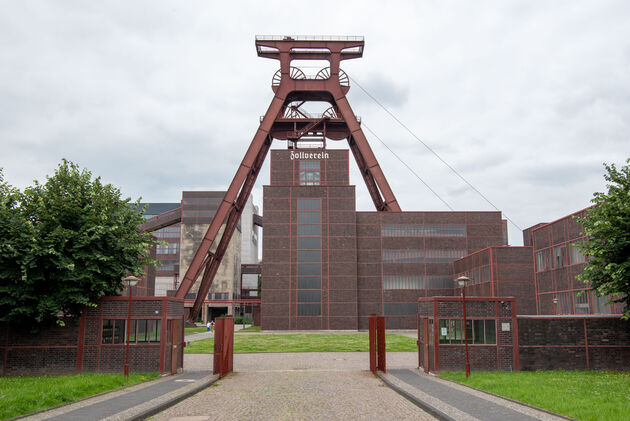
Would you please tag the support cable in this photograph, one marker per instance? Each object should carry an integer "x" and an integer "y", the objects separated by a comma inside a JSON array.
[
  {"x": 430, "y": 150},
  {"x": 408, "y": 167}
]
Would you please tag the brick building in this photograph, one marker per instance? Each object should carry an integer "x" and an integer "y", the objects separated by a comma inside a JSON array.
[
  {"x": 558, "y": 261},
  {"x": 327, "y": 266},
  {"x": 186, "y": 223}
]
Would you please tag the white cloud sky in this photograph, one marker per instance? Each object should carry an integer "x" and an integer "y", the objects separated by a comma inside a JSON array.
[{"x": 526, "y": 99}]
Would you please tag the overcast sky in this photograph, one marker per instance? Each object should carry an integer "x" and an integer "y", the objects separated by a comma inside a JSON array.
[{"x": 526, "y": 99}]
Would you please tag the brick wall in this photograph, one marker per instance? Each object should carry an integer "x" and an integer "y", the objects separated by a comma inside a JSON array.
[
  {"x": 486, "y": 357},
  {"x": 78, "y": 346},
  {"x": 574, "y": 343}
]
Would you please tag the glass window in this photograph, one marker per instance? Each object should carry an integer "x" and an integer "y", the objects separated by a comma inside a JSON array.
[
  {"x": 309, "y": 243},
  {"x": 309, "y": 256},
  {"x": 477, "y": 331},
  {"x": 309, "y": 173},
  {"x": 108, "y": 331},
  {"x": 142, "y": 332},
  {"x": 309, "y": 269},
  {"x": 309, "y": 217},
  {"x": 309, "y": 309},
  {"x": 307, "y": 296},
  {"x": 491, "y": 331},
  {"x": 576, "y": 253},
  {"x": 309, "y": 282},
  {"x": 310, "y": 229},
  {"x": 309, "y": 204}
]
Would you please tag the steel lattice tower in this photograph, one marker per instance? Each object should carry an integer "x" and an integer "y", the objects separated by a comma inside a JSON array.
[{"x": 285, "y": 121}]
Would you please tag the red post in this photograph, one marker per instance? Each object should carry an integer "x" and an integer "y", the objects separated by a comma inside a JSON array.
[
  {"x": 465, "y": 332},
  {"x": 128, "y": 331},
  {"x": 228, "y": 346},
  {"x": 372, "y": 340},
  {"x": 380, "y": 338},
  {"x": 218, "y": 342}
]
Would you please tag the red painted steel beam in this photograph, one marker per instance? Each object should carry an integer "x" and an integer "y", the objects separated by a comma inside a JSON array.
[
  {"x": 227, "y": 204},
  {"x": 162, "y": 220}
]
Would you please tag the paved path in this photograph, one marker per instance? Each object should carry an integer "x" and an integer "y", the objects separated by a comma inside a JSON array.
[
  {"x": 299, "y": 386},
  {"x": 131, "y": 402},
  {"x": 449, "y": 400}
]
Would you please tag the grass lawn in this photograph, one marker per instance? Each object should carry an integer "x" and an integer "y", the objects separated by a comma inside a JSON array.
[
  {"x": 189, "y": 330},
  {"x": 27, "y": 394},
  {"x": 585, "y": 395},
  {"x": 250, "y": 329},
  {"x": 352, "y": 342}
]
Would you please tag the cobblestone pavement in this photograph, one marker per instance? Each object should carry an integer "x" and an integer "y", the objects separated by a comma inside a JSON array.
[{"x": 298, "y": 386}]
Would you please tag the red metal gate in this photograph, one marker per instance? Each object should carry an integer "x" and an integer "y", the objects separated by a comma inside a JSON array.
[
  {"x": 423, "y": 343},
  {"x": 378, "y": 360},
  {"x": 223, "y": 345}
]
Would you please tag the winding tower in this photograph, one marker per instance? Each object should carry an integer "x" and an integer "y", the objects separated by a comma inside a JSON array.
[{"x": 286, "y": 120}]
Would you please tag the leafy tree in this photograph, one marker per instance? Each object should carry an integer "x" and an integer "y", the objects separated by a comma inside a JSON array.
[
  {"x": 607, "y": 226},
  {"x": 64, "y": 244}
]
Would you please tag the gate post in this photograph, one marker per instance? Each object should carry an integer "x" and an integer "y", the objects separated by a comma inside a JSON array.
[
  {"x": 218, "y": 345},
  {"x": 380, "y": 337},
  {"x": 227, "y": 351},
  {"x": 372, "y": 340}
]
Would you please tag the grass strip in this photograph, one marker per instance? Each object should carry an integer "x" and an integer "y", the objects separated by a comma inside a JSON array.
[
  {"x": 353, "y": 342},
  {"x": 27, "y": 394},
  {"x": 198, "y": 329},
  {"x": 250, "y": 329},
  {"x": 584, "y": 395}
]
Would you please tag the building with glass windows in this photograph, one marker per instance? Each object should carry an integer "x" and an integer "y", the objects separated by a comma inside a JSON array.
[
  {"x": 182, "y": 238},
  {"x": 327, "y": 266}
]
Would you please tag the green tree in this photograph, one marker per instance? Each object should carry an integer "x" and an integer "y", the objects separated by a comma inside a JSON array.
[
  {"x": 607, "y": 225},
  {"x": 64, "y": 244}
]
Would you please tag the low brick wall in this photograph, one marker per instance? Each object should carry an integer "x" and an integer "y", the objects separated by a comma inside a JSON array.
[
  {"x": 574, "y": 342},
  {"x": 79, "y": 346}
]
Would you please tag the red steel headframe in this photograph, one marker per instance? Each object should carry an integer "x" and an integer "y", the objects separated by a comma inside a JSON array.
[{"x": 291, "y": 86}]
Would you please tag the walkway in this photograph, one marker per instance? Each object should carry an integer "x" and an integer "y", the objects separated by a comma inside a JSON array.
[
  {"x": 451, "y": 401},
  {"x": 135, "y": 402},
  {"x": 299, "y": 386}
]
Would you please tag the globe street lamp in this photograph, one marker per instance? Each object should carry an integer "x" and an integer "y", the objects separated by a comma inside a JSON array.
[
  {"x": 130, "y": 281},
  {"x": 555, "y": 304},
  {"x": 462, "y": 281}
]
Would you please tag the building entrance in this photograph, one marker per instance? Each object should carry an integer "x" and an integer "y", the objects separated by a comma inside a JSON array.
[{"x": 214, "y": 312}]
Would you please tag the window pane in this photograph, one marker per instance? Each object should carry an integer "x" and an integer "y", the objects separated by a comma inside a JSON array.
[
  {"x": 119, "y": 331},
  {"x": 309, "y": 309},
  {"x": 491, "y": 332},
  {"x": 108, "y": 331},
  {"x": 309, "y": 282},
  {"x": 309, "y": 296},
  {"x": 309, "y": 243},
  {"x": 142, "y": 331},
  {"x": 309, "y": 269},
  {"x": 309, "y": 217},
  {"x": 479, "y": 336},
  {"x": 309, "y": 256},
  {"x": 469, "y": 331},
  {"x": 132, "y": 332},
  {"x": 309, "y": 204},
  {"x": 444, "y": 331},
  {"x": 309, "y": 229}
]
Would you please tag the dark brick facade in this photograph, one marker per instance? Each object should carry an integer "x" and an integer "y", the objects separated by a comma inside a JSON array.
[
  {"x": 574, "y": 343},
  {"x": 435, "y": 353},
  {"x": 79, "y": 345},
  {"x": 500, "y": 272},
  {"x": 371, "y": 262},
  {"x": 557, "y": 262}
]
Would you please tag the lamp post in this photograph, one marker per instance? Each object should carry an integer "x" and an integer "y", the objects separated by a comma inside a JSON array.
[
  {"x": 462, "y": 281},
  {"x": 130, "y": 281},
  {"x": 555, "y": 304}
]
